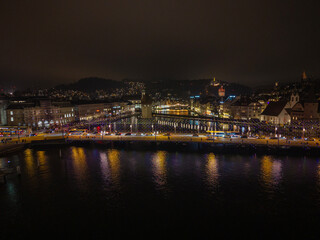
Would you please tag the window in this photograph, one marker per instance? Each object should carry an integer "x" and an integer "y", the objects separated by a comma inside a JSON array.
[
  {"x": 11, "y": 113},
  {"x": 11, "y": 119}
]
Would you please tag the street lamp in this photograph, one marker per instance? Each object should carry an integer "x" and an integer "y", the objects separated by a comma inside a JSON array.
[
  {"x": 276, "y": 129},
  {"x": 19, "y": 133}
]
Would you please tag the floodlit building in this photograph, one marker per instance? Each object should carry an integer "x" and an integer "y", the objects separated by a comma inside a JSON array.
[
  {"x": 40, "y": 113},
  {"x": 246, "y": 109},
  {"x": 146, "y": 105}
]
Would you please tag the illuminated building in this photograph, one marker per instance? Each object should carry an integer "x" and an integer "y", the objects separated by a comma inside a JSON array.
[{"x": 146, "y": 105}]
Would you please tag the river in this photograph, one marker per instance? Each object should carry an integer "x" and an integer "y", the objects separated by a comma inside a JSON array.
[{"x": 108, "y": 193}]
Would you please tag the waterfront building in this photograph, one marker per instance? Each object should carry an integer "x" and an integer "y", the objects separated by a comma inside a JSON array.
[
  {"x": 3, "y": 114},
  {"x": 15, "y": 114},
  {"x": 88, "y": 111},
  {"x": 245, "y": 108},
  {"x": 276, "y": 113},
  {"x": 46, "y": 114},
  {"x": 39, "y": 113}
]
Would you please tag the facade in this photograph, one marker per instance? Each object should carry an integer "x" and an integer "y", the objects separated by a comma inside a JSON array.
[
  {"x": 40, "y": 113},
  {"x": 3, "y": 113},
  {"x": 311, "y": 110},
  {"x": 296, "y": 112},
  {"x": 276, "y": 113},
  {"x": 15, "y": 115},
  {"x": 90, "y": 110},
  {"x": 246, "y": 109},
  {"x": 46, "y": 114}
]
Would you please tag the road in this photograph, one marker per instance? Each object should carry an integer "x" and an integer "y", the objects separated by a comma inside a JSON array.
[
  {"x": 161, "y": 138},
  {"x": 200, "y": 138}
]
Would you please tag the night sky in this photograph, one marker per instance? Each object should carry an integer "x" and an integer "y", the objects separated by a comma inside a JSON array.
[{"x": 255, "y": 42}]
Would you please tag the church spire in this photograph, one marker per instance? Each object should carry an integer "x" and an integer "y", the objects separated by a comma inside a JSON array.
[{"x": 304, "y": 76}]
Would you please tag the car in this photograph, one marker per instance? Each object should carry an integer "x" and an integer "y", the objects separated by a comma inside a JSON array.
[
  {"x": 244, "y": 136},
  {"x": 252, "y": 137},
  {"x": 309, "y": 139},
  {"x": 220, "y": 134},
  {"x": 149, "y": 134},
  {"x": 235, "y": 136},
  {"x": 128, "y": 134},
  {"x": 107, "y": 133},
  {"x": 297, "y": 138},
  {"x": 138, "y": 134},
  {"x": 195, "y": 135},
  {"x": 167, "y": 134},
  {"x": 33, "y": 134},
  {"x": 118, "y": 133},
  {"x": 273, "y": 137}
]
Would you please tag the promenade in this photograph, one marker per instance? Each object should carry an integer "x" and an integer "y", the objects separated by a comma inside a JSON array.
[
  {"x": 197, "y": 139},
  {"x": 14, "y": 144}
]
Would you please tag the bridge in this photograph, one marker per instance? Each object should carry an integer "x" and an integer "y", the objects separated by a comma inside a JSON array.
[{"x": 188, "y": 124}]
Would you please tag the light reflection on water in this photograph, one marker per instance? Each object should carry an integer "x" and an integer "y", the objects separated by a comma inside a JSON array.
[
  {"x": 159, "y": 168},
  {"x": 271, "y": 173},
  {"x": 43, "y": 166},
  {"x": 104, "y": 165},
  {"x": 114, "y": 163},
  {"x": 79, "y": 162},
  {"x": 29, "y": 161},
  {"x": 212, "y": 171}
]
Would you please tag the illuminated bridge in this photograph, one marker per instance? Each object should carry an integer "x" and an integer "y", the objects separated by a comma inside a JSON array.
[{"x": 176, "y": 123}]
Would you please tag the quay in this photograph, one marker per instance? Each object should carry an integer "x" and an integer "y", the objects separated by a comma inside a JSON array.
[
  {"x": 184, "y": 138},
  {"x": 174, "y": 141}
]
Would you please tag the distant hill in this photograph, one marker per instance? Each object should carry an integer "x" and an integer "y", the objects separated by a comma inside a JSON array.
[
  {"x": 91, "y": 84},
  {"x": 182, "y": 88}
]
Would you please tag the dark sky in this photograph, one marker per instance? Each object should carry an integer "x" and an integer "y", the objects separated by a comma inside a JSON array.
[{"x": 254, "y": 42}]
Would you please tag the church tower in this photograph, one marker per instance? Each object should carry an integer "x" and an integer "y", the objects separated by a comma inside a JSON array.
[
  {"x": 146, "y": 105},
  {"x": 294, "y": 98}
]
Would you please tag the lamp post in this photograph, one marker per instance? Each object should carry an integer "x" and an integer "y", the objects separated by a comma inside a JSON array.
[
  {"x": 277, "y": 133},
  {"x": 19, "y": 133},
  {"x": 61, "y": 126}
]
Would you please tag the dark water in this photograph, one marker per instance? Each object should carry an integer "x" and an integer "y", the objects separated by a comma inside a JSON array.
[{"x": 111, "y": 193}]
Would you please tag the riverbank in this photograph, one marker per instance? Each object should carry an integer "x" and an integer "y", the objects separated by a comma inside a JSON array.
[{"x": 172, "y": 143}]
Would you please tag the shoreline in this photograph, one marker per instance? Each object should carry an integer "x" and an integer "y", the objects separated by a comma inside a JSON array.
[{"x": 195, "y": 145}]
